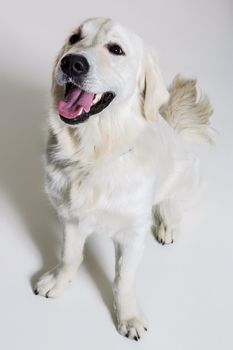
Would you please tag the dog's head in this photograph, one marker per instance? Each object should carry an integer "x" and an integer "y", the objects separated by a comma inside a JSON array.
[{"x": 102, "y": 66}]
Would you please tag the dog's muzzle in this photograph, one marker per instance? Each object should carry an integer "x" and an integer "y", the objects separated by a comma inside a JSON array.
[{"x": 78, "y": 105}]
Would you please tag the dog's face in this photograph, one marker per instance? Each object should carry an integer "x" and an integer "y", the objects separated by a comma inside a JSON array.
[{"x": 102, "y": 66}]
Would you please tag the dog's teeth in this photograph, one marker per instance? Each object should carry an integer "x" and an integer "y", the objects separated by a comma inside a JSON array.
[
  {"x": 81, "y": 110},
  {"x": 96, "y": 99}
]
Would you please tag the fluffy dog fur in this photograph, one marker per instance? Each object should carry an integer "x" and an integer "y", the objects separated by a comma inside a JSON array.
[{"x": 126, "y": 169}]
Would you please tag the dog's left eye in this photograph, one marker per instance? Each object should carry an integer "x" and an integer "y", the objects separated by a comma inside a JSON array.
[{"x": 115, "y": 49}]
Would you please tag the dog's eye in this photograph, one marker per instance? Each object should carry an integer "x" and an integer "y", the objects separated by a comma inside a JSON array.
[
  {"x": 75, "y": 38},
  {"x": 115, "y": 49}
]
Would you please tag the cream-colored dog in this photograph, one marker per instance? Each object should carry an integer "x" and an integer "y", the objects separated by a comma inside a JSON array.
[{"x": 116, "y": 161}]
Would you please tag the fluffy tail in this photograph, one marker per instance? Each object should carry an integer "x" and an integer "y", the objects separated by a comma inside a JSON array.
[{"x": 188, "y": 113}]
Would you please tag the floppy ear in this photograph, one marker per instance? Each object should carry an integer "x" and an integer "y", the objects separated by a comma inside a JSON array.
[{"x": 155, "y": 91}]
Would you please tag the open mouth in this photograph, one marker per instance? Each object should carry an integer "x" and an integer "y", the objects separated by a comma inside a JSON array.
[{"x": 78, "y": 105}]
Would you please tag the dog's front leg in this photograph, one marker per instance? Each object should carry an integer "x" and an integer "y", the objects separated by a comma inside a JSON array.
[
  {"x": 52, "y": 283},
  {"x": 130, "y": 320}
]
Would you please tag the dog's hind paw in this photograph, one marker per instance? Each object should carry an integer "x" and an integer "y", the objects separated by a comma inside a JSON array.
[
  {"x": 164, "y": 234},
  {"x": 133, "y": 328}
]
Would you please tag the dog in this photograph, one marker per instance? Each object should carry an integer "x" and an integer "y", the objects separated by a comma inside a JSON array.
[{"x": 118, "y": 160}]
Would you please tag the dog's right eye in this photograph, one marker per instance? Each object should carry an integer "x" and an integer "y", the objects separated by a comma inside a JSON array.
[{"x": 75, "y": 38}]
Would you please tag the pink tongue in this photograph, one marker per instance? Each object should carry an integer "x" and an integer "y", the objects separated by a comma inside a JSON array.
[{"x": 75, "y": 103}]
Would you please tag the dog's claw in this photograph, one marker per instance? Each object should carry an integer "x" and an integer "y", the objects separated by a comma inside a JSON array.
[{"x": 132, "y": 328}]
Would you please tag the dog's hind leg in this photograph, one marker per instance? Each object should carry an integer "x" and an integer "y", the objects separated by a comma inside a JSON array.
[
  {"x": 166, "y": 217},
  {"x": 54, "y": 281}
]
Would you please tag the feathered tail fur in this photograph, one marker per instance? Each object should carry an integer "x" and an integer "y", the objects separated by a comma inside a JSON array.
[{"x": 188, "y": 113}]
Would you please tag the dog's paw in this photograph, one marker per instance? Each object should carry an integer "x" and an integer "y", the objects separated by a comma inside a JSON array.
[
  {"x": 164, "y": 234},
  {"x": 52, "y": 283},
  {"x": 133, "y": 328}
]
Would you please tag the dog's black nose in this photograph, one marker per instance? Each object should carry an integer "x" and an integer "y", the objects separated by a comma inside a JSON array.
[{"x": 74, "y": 65}]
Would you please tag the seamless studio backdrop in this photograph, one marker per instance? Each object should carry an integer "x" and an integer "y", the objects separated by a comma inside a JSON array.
[{"x": 185, "y": 289}]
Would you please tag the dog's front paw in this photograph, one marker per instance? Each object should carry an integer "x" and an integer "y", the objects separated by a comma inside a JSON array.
[
  {"x": 164, "y": 234},
  {"x": 52, "y": 283},
  {"x": 133, "y": 328}
]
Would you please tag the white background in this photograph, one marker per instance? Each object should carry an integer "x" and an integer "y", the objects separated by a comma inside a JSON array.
[{"x": 186, "y": 289}]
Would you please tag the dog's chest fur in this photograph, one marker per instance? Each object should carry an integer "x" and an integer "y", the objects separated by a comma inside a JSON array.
[{"x": 100, "y": 181}]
